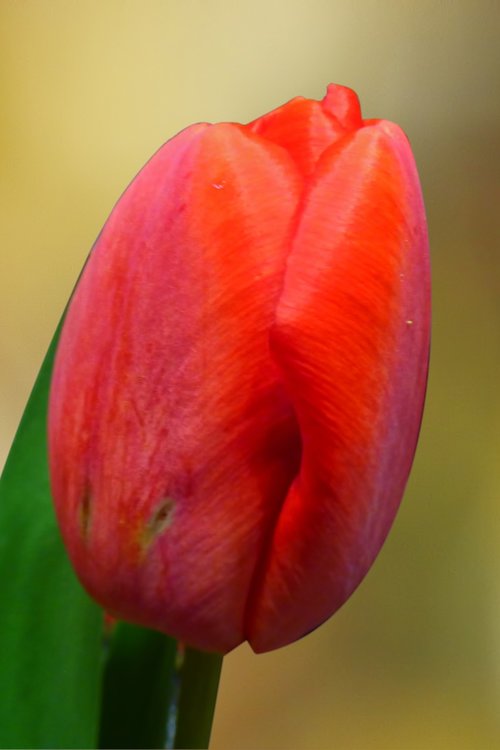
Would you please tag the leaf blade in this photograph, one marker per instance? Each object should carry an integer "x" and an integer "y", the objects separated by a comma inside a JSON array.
[{"x": 50, "y": 630}]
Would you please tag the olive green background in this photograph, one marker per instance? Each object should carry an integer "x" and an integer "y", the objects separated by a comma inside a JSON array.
[{"x": 89, "y": 90}]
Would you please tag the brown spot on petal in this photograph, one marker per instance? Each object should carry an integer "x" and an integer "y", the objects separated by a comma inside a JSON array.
[
  {"x": 84, "y": 513},
  {"x": 160, "y": 521}
]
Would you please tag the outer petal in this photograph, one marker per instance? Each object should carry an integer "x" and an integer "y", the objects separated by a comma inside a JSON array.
[
  {"x": 352, "y": 338},
  {"x": 172, "y": 443}
]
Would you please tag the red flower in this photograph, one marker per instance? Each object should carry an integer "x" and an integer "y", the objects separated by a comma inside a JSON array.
[{"x": 240, "y": 379}]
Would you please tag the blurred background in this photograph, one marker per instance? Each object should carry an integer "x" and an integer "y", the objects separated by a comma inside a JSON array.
[{"x": 89, "y": 90}]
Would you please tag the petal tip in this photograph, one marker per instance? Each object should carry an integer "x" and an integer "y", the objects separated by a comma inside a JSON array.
[{"x": 343, "y": 103}]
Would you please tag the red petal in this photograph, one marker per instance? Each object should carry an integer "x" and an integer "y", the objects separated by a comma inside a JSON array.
[
  {"x": 305, "y": 128},
  {"x": 352, "y": 338},
  {"x": 343, "y": 104},
  {"x": 172, "y": 442}
]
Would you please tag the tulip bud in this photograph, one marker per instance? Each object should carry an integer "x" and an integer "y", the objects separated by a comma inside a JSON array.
[{"x": 239, "y": 383}]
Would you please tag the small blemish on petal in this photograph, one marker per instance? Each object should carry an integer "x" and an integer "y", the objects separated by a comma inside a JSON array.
[
  {"x": 409, "y": 322},
  {"x": 84, "y": 513},
  {"x": 159, "y": 522}
]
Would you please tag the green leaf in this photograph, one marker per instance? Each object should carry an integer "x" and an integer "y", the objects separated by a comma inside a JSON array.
[
  {"x": 50, "y": 631},
  {"x": 138, "y": 688}
]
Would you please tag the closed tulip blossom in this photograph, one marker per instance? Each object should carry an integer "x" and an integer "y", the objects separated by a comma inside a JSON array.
[{"x": 239, "y": 383}]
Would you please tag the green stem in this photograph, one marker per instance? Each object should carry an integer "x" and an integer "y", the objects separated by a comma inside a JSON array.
[
  {"x": 199, "y": 680},
  {"x": 137, "y": 688}
]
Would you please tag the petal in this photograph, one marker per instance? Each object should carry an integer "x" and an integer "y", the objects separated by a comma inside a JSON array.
[
  {"x": 351, "y": 338},
  {"x": 342, "y": 103},
  {"x": 305, "y": 128},
  {"x": 164, "y": 384}
]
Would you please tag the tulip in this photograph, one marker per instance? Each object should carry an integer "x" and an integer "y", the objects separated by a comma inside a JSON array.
[{"x": 239, "y": 383}]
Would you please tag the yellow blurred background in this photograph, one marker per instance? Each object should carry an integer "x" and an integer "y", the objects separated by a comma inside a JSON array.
[{"x": 89, "y": 90}]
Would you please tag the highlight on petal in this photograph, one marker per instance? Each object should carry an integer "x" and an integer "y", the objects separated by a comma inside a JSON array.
[{"x": 351, "y": 338}]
